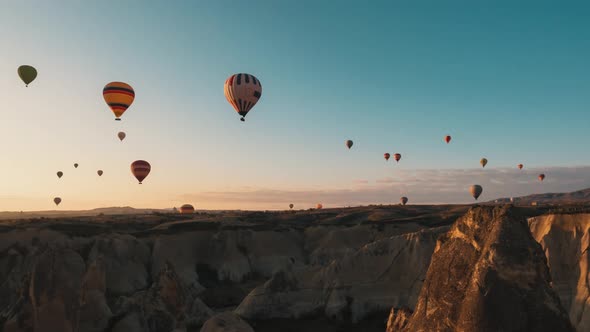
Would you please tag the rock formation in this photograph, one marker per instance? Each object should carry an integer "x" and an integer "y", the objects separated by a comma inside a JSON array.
[
  {"x": 566, "y": 239},
  {"x": 488, "y": 274}
]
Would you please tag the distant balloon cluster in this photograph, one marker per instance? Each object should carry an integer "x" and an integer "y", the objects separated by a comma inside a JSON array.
[{"x": 241, "y": 90}]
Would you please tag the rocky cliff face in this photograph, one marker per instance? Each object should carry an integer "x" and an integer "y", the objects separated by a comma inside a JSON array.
[
  {"x": 566, "y": 239},
  {"x": 329, "y": 270},
  {"x": 487, "y": 274},
  {"x": 119, "y": 274}
]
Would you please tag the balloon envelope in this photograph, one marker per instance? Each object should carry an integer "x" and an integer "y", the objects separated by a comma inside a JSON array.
[
  {"x": 187, "y": 209},
  {"x": 319, "y": 206},
  {"x": 397, "y": 157},
  {"x": 60, "y": 174},
  {"x": 403, "y": 200},
  {"x": 541, "y": 177},
  {"x": 27, "y": 74},
  {"x": 386, "y": 156},
  {"x": 291, "y": 206},
  {"x": 75, "y": 165},
  {"x": 242, "y": 91},
  {"x": 119, "y": 96},
  {"x": 57, "y": 200},
  {"x": 99, "y": 172},
  {"x": 447, "y": 139},
  {"x": 475, "y": 191},
  {"x": 349, "y": 144},
  {"x": 520, "y": 166},
  {"x": 483, "y": 162},
  {"x": 140, "y": 169},
  {"x": 121, "y": 135}
]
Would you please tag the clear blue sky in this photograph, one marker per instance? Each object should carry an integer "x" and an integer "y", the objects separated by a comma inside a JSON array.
[{"x": 509, "y": 80}]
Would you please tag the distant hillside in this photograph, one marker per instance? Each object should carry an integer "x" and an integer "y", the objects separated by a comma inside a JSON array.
[
  {"x": 78, "y": 213},
  {"x": 576, "y": 197}
]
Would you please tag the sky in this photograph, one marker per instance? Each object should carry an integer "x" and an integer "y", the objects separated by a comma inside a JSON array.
[{"x": 507, "y": 79}]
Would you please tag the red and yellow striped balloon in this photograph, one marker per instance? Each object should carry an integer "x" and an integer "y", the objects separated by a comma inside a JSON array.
[
  {"x": 187, "y": 209},
  {"x": 119, "y": 96},
  {"x": 243, "y": 92},
  {"x": 140, "y": 169}
]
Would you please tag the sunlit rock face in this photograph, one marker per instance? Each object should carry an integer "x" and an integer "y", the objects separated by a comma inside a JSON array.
[
  {"x": 488, "y": 274},
  {"x": 566, "y": 239}
]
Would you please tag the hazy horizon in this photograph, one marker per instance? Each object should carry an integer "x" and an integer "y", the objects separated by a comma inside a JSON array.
[{"x": 509, "y": 82}]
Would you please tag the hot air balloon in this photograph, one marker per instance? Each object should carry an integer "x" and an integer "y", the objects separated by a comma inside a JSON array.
[
  {"x": 27, "y": 74},
  {"x": 291, "y": 206},
  {"x": 99, "y": 172},
  {"x": 447, "y": 139},
  {"x": 121, "y": 136},
  {"x": 475, "y": 190},
  {"x": 386, "y": 155},
  {"x": 187, "y": 209},
  {"x": 140, "y": 169},
  {"x": 319, "y": 206},
  {"x": 60, "y": 174},
  {"x": 243, "y": 92},
  {"x": 397, "y": 157},
  {"x": 119, "y": 96},
  {"x": 483, "y": 162},
  {"x": 520, "y": 166},
  {"x": 57, "y": 200},
  {"x": 541, "y": 177},
  {"x": 349, "y": 144},
  {"x": 403, "y": 200},
  {"x": 76, "y": 165}
]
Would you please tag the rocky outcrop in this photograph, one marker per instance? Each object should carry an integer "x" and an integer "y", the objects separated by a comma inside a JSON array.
[
  {"x": 488, "y": 274},
  {"x": 226, "y": 322},
  {"x": 398, "y": 319},
  {"x": 366, "y": 281},
  {"x": 566, "y": 239},
  {"x": 167, "y": 305}
]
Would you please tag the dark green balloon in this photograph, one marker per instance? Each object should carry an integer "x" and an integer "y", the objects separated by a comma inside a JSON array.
[{"x": 27, "y": 74}]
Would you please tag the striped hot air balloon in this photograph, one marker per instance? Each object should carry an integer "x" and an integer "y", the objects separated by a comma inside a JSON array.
[
  {"x": 187, "y": 209},
  {"x": 140, "y": 169},
  {"x": 242, "y": 91},
  {"x": 119, "y": 96}
]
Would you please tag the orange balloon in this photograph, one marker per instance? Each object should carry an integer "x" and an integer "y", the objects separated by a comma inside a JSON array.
[
  {"x": 187, "y": 209},
  {"x": 119, "y": 96},
  {"x": 319, "y": 206}
]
